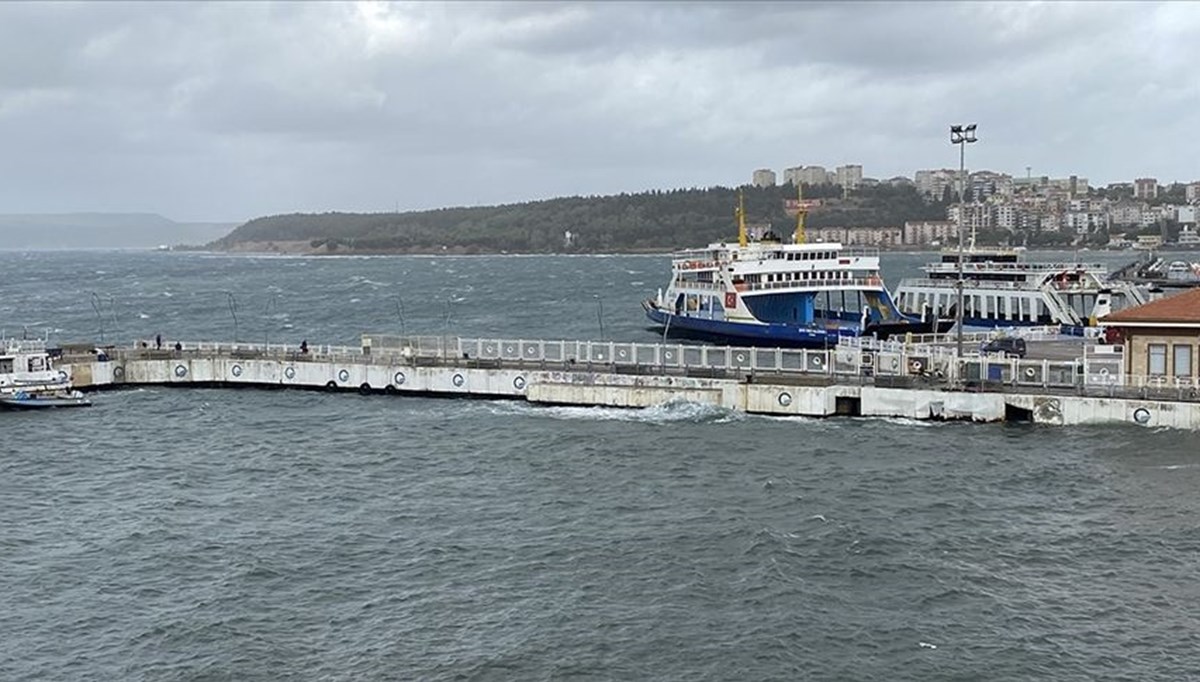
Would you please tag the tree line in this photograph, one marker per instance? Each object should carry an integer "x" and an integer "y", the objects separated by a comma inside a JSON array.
[{"x": 656, "y": 220}]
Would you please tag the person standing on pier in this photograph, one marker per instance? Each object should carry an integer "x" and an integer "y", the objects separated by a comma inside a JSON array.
[{"x": 158, "y": 342}]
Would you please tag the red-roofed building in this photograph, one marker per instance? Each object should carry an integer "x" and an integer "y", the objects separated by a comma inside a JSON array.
[{"x": 1161, "y": 337}]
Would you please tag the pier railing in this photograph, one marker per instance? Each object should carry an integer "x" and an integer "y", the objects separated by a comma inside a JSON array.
[{"x": 1099, "y": 372}]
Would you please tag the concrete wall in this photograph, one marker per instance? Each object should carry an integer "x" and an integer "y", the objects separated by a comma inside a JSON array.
[
  {"x": 923, "y": 404},
  {"x": 624, "y": 390},
  {"x": 1077, "y": 410}
]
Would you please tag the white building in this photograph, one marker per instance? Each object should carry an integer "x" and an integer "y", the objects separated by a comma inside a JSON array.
[
  {"x": 1145, "y": 188},
  {"x": 858, "y": 236},
  {"x": 985, "y": 184},
  {"x": 808, "y": 175},
  {"x": 1072, "y": 186},
  {"x": 975, "y": 217},
  {"x": 1007, "y": 216},
  {"x": 933, "y": 183},
  {"x": 1125, "y": 213},
  {"x": 926, "y": 232},
  {"x": 1079, "y": 222},
  {"x": 1192, "y": 192},
  {"x": 1148, "y": 217},
  {"x": 763, "y": 177},
  {"x": 849, "y": 176}
]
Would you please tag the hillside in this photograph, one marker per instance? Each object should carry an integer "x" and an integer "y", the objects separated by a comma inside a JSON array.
[
  {"x": 101, "y": 230},
  {"x": 648, "y": 221}
]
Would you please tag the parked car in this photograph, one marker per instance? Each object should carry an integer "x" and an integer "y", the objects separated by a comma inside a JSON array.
[{"x": 1011, "y": 347}]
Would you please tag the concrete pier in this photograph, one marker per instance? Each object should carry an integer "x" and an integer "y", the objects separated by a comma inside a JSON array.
[{"x": 871, "y": 380}]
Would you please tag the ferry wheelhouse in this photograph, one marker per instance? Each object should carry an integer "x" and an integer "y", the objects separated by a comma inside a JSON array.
[
  {"x": 763, "y": 291},
  {"x": 1001, "y": 289}
]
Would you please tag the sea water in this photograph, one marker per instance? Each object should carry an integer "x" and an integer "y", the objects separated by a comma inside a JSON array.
[{"x": 246, "y": 534}]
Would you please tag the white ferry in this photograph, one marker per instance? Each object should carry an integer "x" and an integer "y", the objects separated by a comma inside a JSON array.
[
  {"x": 760, "y": 290},
  {"x": 28, "y": 379},
  {"x": 1002, "y": 289}
]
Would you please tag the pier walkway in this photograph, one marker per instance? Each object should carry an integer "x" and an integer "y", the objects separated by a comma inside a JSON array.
[{"x": 863, "y": 378}]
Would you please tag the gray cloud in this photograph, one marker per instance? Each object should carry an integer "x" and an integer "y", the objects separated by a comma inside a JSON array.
[{"x": 225, "y": 111}]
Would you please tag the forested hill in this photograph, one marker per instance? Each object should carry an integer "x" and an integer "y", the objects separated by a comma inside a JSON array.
[{"x": 648, "y": 221}]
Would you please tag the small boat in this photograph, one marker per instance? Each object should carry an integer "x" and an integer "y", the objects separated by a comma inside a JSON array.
[
  {"x": 762, "y": 291},
  {"x": 21, "y": 400},
  {"x": 29, "y": 381}
]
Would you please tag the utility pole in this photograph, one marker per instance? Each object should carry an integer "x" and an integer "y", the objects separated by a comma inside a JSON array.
[{"x": 961, "y": 136}]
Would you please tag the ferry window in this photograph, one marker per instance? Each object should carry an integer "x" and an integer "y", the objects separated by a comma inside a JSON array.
[
  {"x": 1182, "y": 360},
  {"x": 1157, "y": 365},
  {"x": 6, "y": 365}
]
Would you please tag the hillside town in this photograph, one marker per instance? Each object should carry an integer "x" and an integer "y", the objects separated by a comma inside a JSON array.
[{"x": 998, "y": 208}]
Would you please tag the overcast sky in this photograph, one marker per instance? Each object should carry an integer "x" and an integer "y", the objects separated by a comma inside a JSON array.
[{"x": 230, "y": 111}]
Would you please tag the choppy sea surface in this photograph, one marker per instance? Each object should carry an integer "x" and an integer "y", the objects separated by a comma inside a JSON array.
[{"x": 176, "y": 534}]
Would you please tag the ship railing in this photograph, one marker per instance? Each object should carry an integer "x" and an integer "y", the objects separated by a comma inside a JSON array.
[
  {"x": 910, "y": 282},
  {"x": 1023, "y": 267},
  {"x": 823, "y": 284},
  {"x": 858, "y": 252},
  {"x": 10, "y": 345},
  {"x": 709, "y": 286}
]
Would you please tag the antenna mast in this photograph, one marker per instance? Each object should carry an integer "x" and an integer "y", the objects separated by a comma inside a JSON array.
[
  {"x": 800, "y": 237},
  {"x": 741, "y": 218}
]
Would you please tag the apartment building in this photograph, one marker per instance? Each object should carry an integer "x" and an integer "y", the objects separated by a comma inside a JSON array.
[
  {"x": 983, "y": 185},
  {"x": 858, "y": 236},
  {"x": 929, "y": 232},
  {"x": 1187, "y": 215},
  {"x": 849, "y": 176},
  {"x": 763, "y": 177},
  {"x": 1145, "y": 188},
  {"x": 933, "y": 183},
  {"x": 808, "y": 175},
  {"x": 1006, "y": 216},
  {"x": 974, "y": 217}
]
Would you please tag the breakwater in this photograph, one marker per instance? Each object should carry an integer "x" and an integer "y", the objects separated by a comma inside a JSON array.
[{"x": 869, "y": 380}]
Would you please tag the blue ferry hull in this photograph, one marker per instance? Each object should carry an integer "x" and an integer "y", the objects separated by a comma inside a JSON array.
[
  {"x": 740, "y": 333},
  {"x": 746, "y": 334}
]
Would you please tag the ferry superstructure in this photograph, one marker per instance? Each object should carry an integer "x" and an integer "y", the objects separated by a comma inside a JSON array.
[
  {"x": 761, "y": 290},
  {"x": 1001, "y": 289}
]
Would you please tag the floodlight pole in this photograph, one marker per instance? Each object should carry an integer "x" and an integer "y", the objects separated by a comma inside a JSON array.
[{"x": 961, "y": 136}]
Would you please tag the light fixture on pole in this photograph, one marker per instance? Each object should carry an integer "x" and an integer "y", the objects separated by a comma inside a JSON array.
[{"x": 962, "y": 136}]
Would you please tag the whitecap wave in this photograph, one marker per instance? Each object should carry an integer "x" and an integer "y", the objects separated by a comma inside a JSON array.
[{"x": 675, "y": 411}]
